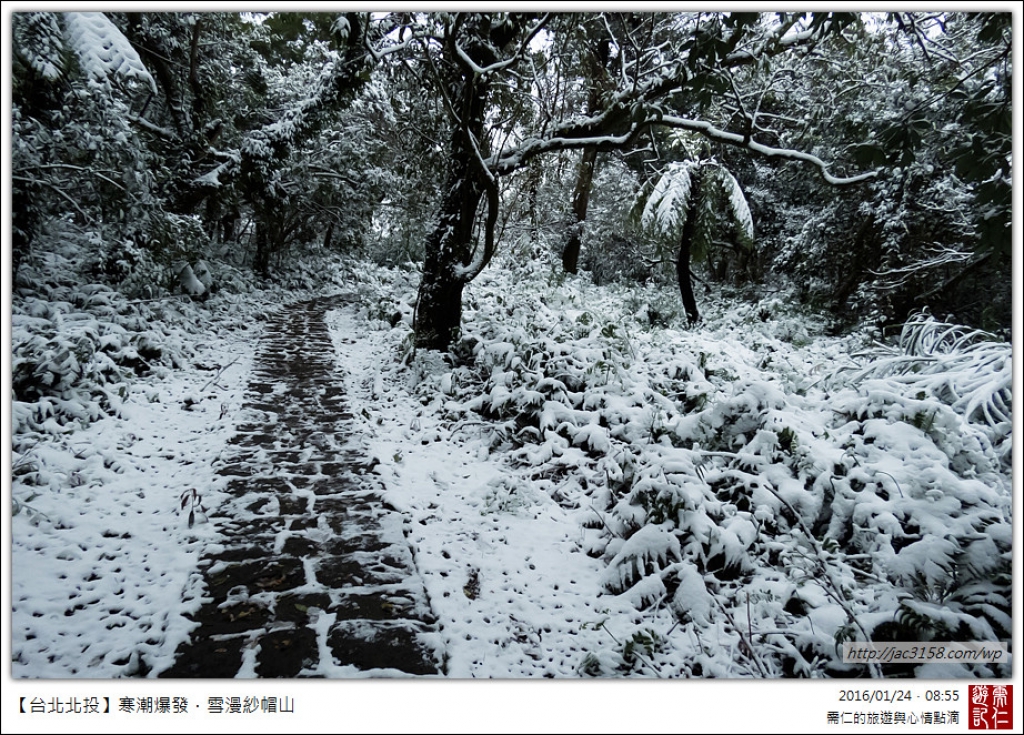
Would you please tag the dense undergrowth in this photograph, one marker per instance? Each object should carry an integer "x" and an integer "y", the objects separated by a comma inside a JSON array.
[
  {"x": 761, "y": 494},
  {"x": 79, "y": 340},
  {"x": 758, "y": 492}
]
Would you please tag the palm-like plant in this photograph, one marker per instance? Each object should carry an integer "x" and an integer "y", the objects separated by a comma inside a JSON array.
[{"x": 682, "y": 210}]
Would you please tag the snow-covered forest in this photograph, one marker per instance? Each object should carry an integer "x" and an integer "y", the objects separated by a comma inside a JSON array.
[{"x": 679, "y": 342}]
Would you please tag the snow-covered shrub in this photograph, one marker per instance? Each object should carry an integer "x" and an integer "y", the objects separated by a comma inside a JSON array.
[
  {"x": 739, "y": 494},
  {"x": 73, "y": 353},
  {"x": 966, "y": 369},
  {"x": 76, "y": 345}
]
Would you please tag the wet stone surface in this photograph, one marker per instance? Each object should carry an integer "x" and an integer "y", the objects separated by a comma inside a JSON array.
[{"x": 306, "y": 535}]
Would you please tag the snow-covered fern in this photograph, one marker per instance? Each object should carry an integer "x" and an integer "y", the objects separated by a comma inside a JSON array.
[
  {"x": 103, "y": 52},
  {"x": 39, "y": 41},
  {"x": 666, "y": 206},
  {"x": 664, "y": 212},
  {"x": 738, "y": 204},
  {"x": 646, "y": 552},
  {"x": 967, "y": 369}
]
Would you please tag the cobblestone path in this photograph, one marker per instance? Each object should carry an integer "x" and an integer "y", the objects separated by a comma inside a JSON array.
[{"x": 314, "y": 576}]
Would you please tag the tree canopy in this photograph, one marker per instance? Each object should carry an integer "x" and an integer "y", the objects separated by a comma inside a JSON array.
[{"x": 874, "y": 148}]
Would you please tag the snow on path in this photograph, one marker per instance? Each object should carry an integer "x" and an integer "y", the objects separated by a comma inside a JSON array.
[
  {"x": 104, "y": 563},
  {"x": 313, "y": 576},
  {"x": 503, "y": 564},
  {"x": 102, "y": 554}
]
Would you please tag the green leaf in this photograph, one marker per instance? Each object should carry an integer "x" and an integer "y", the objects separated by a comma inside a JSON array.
[
  {"x": 869, "y": 155},
  {"x": 993, "y": 26}
]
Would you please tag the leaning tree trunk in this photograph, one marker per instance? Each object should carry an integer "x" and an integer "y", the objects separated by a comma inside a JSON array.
[
  {"x": 533, "y": 181},
  {"x": 449, "y": 247},
  {"x": 597, "y": 57},
  {"x": 686, "y": 246}
]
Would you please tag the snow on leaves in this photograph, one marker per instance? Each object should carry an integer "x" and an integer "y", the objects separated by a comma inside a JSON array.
[
  {"x": 738, "y": 204},
  {"x": 722, "y": 499},
  {"x": 40, "y": 42},
  {"x": 666, "y": 207},
  {"x": 664, "y": 212},
  {"x": 103, "y": 51},
  {"x": 967, "y": 370},
  {"x": 646, "y": 552}
]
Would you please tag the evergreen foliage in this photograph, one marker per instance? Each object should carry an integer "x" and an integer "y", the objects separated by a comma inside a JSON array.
[{"x": 848, "y": 173}]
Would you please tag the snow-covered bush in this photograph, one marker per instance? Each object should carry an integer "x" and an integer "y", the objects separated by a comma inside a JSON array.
[
  {"x": 742, "y": 496},
  {"x": 74, "y": 351},
  {"x": 966, "y": 369}
]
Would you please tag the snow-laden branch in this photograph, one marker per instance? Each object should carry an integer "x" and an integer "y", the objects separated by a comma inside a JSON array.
[
  {"x": 58, "y": 191},
  {"x": 712, "y": 133},
  {"x": 98, "y": 173},
  {"x": 414, "y": 39},
  {"x": 338, "y": 82},
  {"x": 587, "y": 133},
  {"x": 508, "y": 162},
  {"x": 791, "y": 39},
  {"x": 482, "y": 256},
  {"x": 622, "y": 57},
  {"x": 212, "y": 178},
  {"x": 779, "y": 40},
  {"x": 145, "y": 124},
  {"x": 449, "y": 106},
  {"x": 941, "y": 256}
]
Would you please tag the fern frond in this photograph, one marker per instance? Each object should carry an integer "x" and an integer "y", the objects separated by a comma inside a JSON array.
[
  {"x": 666, "y": 206},
  {"x": 740, "y": 208},
  {"x": 969, "y": 370},
  {"x": 647, "y": 551},
  {"x": 103, "y": 51}
]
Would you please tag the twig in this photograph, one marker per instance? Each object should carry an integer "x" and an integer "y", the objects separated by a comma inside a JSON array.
[
  {"x": 219, "y": 374},
  {"x": 603, "y": 523},
  {"x": 750, "y": 625},
  {"x": 643, "y": 660},
  {"x": 157, "y": 298},
  {"x": 19, "y": 504},
  {"x": 880, "y": 472},
  {"x": 833, "y": 589},
  {"x": 57, "y": 189}
]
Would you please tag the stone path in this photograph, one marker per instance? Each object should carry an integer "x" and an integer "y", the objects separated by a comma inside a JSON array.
[{"x": 314, "y": 572}]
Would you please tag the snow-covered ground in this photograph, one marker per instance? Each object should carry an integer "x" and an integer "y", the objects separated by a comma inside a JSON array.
[
  {"x": 504, "y": 566},
  {"x": 597, "y": 493},
  {"x": 593, "y": 489},
  {"x": 103, "y": 559}
]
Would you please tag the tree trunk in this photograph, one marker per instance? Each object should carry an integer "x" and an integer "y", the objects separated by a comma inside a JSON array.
[
  {"x": 24, "y": 221},
  {"x": 439, "y": 310},
  {"x": 686, "y": 245},
  {"x": 449, "y": 246},
  {"x": 534, "y": 174},
  {"x": 580, "y": 204},
  {"x": 595, "y": 65},
  {"x": 261, "y": 261}
]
